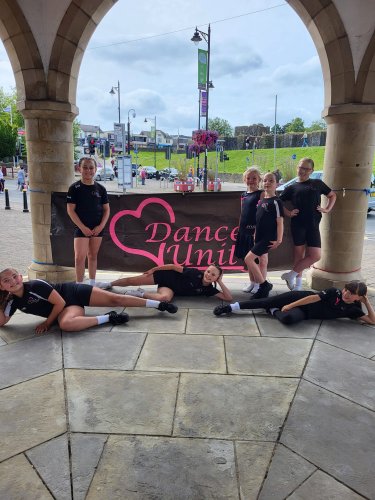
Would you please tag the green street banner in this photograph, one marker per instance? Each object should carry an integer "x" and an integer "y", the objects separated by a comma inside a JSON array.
[{"x": 202, "y": 69}]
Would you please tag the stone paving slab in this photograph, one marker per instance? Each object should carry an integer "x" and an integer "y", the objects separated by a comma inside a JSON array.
[
  {"x": 323, "y": 487},
  {"x": 85, "y": 350},
  {"x": 25, "y": 360},
  {"x": 2, "y": 342},
  {"x": 271, "y": 327},
  {"x": 287, "y": 471},
  {"x": 343, "y": 373},
  {"x": 19, "y": 481},
  {"x": 334, "y": 434},
  {"x": 349, "y": 335},
  {"x": 232, "y": 406},
  {"x": 121, "y": 402},
  {"x": 51, "y": 461},
  {"x": 266, "y": 356},
  {"x": 203, "y": 322},
  {"x": 86, "y": 450},
  {"x": 183, "y": 353},
  {"x": 252, "y": 464},
  {"x": 22, "y": 326},
  {"x": 30, "y": 413},
  {"x": 153, "y": 321},
  {"x": 165, "y": 468}
]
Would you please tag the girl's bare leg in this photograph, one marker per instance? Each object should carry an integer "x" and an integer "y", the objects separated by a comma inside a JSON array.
[
  {"x": 311, "y": 255},
  {"x": 141, "y": 279},
  {"x": 81, "y": 248},
  {"x": 254, "y": 267},
  {"x": 92, "y": 255},
  {"x": 73, "y": 319},
  {"x": 102, "y": 298},
  {"x": 263, "y": 264},
  {"x": 163, "y": 294}
]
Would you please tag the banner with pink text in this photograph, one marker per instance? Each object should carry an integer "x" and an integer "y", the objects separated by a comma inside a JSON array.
[{"x": 144, "y": 231}]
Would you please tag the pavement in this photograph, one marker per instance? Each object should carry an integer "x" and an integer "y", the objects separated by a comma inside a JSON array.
[{"x": 185, "y": 406}]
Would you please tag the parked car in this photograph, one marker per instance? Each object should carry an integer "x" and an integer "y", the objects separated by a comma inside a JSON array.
[
  {"x": 169, "y": 173},
  {"x": 109, "y": 173},
  {"x": 151, "y": 171},
  {"x": 318, "y": 174}
]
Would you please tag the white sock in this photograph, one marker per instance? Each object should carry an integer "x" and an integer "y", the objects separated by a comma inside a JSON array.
[
  {"x": 273, "y": 309},
  {"x": 152, "y": 303},
  {"x": 299, "y": 281},
  {"x": 293, "y": 274},
  {"x": 102, "y": 319},
  {"x": 256, "y": 288},
  {"x": 92, "y": 282},
  {"x": 235, "y": 306}
]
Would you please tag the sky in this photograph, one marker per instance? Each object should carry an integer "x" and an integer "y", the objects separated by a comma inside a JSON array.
[{"x": 259, "y": 48}]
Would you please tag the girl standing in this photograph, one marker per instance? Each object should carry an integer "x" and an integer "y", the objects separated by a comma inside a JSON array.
[
  {"x": 177, "y": 280},
  {"x": 268, "y": 233},
  {"x": 88, "y": 207},
  {"x": 64, "y": 303},
  {"x": 245, "y": 238}
]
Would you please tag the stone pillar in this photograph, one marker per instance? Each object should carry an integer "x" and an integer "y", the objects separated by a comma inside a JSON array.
[
  {"x": 347, "y": 164},
  {"x": 49, "y": 139}
]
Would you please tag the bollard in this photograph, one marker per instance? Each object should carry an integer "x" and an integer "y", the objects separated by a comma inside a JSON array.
[
  {"x": 7, "y": 206},
  {"x": 24, "y": 192}
]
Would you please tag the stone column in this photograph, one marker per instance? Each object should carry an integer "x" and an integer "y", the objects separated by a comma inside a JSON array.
[
  {"x": 49, "y": 139},
  {"x": 347, "y": 164}
]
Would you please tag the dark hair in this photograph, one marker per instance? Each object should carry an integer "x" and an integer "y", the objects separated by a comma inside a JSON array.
[
  {"x": 4, "y": 295},
  {"x": 356, "y": 287},
  {"x": 218, "y": 268},
  {"x": 87, "y": 158}
]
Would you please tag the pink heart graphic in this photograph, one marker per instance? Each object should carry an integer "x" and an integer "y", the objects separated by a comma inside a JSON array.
[{"x": 159, "y": 259}]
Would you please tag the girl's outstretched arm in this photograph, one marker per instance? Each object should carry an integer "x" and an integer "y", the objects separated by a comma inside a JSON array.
[
  {"x": 368, "y": 318},
  {"x": 310, "y": 299},
  {"x": 225, "y": 292},
  {"x": 58, "y": 305},
  {"x": 3, "y": 319}
]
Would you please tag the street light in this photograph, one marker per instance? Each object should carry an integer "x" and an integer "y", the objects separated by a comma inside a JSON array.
[
  {"x": 113, "y": 92},
  {"x": 133, "y": 114},
  {"x": 197, "y": 37},
  {"x": 154, "y": 120}
]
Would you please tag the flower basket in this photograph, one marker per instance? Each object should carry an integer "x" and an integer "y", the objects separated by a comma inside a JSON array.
[
  {"x": 205, "y": 138},
  {"x": 211, "y": 185},
  {"x": 184, "y": 186}
]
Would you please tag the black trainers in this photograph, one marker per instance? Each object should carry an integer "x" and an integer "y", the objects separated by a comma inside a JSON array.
[
  {"x": 264, "y": 291},
  {"x": 118, "y": 319},
  {"x": 222, "y": 310},
  {"x": 167, "y": 306}
]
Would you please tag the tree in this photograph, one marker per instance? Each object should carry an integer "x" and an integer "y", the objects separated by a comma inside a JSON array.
[
  {"x": 279, "y": 129},
  {"x": 296, "y": 125},
  {"x": 221, "y": 126},
  {"x": 9, "y": 123},
  {"x": 8, "y": 138},
  {"x": 317, "y": 125},
  {"x": 76, "y": 132}
]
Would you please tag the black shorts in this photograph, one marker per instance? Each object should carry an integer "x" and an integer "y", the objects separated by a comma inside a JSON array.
[
  {"x": 79, "y": 234},
  {"x": 244, "y": 243},
  {"x": 261, "y": 247},
  {"x": 76, "y": 294},
  {"x": 306, "y": 234}
]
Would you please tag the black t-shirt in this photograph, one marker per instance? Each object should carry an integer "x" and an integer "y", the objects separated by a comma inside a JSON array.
[
  {"x": 35, "y": 297},
  {"x": 331, "y": 306},
  {"x": 89, "y": 201},
  {"x": 189, "y": 283},
  {"x": 249, "y": 202},
  {"x": 269, "y": 209},
  {"x": 306, "y": 197}
]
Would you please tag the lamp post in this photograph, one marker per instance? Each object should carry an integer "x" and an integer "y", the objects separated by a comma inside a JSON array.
[
  {"x": 154, "y": 120},
  {"x": 113, "y": 92},
  {"x": 133, "y": 114},
  {"x": 196, "y": 39}
]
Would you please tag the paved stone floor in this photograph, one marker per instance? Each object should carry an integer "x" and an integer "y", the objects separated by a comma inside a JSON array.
[{"x": 186, "y": 407}]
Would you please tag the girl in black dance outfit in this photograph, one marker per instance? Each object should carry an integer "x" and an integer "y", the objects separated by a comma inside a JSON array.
[
  {"x": 64, "y": 303},
  {"x": 293, "y": 307},
  {"x": 246, "y": 230},
  {"x": 268, "y": 233},
  {"x": 177, "y": 280}
]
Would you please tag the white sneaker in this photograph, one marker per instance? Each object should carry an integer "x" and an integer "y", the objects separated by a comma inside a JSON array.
[
  {"x": 290, "y": 280},
  {"x": 248, "y": 288},
  {"x": 104, "y": 285},
  {"x": 135, "y": 293}
]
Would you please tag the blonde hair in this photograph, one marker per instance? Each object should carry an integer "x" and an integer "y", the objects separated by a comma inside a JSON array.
[
  {"x": 308, "y": 160},
  {"x": 252, "y": 170}
]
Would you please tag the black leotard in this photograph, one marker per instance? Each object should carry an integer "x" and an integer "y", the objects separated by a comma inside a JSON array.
[
  {"x": 189, "y": 283},
  {"x": 89, "y": 201}
]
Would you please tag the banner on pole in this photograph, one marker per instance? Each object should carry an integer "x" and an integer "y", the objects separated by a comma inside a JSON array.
[
  {"x": 203, "y": 103},
  {"x": 151, "y": 230},
  {"x": 202, "y": 68}
]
